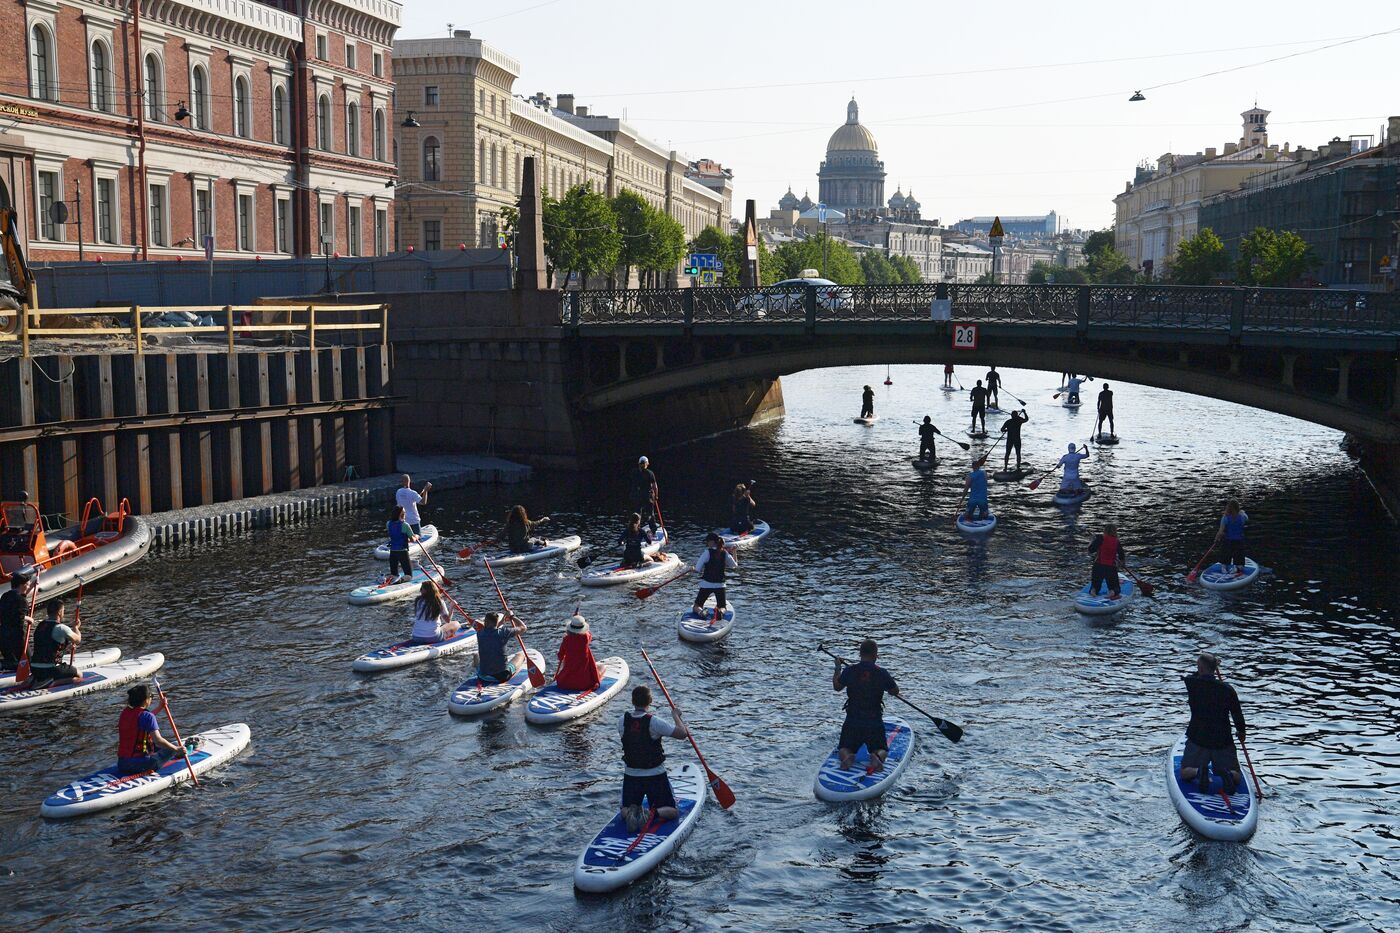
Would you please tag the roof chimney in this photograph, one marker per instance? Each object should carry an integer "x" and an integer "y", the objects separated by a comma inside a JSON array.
[
  {"x": 581, "y": 111},
  {"x": 566, "y": 103},
  {"x": 1231, "y": 148},
  {"x": 1210, "y": 152},
  {"x": 461, "y": 33},
  {"x": 1393, "y": 133}
]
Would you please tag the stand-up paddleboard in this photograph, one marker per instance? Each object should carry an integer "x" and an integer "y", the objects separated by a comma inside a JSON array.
[
  {"x": 552, "y": 547},
  {"x": 860, "y": 783},
  {"x": 416, "y": 549},
  {"x": 920, "y": 463},
  {"x": 1100, "y": 603},
  {"x": 551, "y": 704},
  {"x": 1216, "y": 815},
  {"x": 1068, "y": 404},
  {"x": 658, "y": 542},
  {"x": 948, "y": 388},
  {"x": 102, "y": 677},
  {"x": 976, "y": 435},
  {"x": 404, "y": 653},
  {"x": 1219, "y": 577},
  {"x": 616, "y": 858},
  {"x": 1010, "y": 476},
  {"x": 743, "y": 539},
  {"x": 106, "y": 789},
  {"x": 978, "y": 526},
  {"x": 617, "y": 575},
  {"x": 866, "y": 421},
  {"x": 705, "y": 627},
  {"x": 387, "y": 592},
  {"x": 83, "y": 660},
  {"x": 1068, "y": 497},
  {"x": 1105, "y": 440},
  {"x": 474, "y": 697},
  {"x": 993, "y": 410}
]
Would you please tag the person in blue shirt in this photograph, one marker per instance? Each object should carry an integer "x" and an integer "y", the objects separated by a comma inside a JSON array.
[
  {"x": 140, "y": 746},
  {"x": 976, "y": 486},
  {"x": 1231, "y": 533},
  {"x": 865, "y": 684},
  {"x": 492, "y": 635},
  {"x": 400, "y": 534}
]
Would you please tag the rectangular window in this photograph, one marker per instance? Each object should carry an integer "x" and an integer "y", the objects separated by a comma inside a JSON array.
[
  {"x": 378, "y": 65},
  {"x": 481, "y": 100},
  {"x": 381, "y": 232},
  {"x": 352, "y": 232},
  {"x": 157, "y": 215},
  {"x": 432, "y": 234},
  {"x": 350, "y": 56},
  {"x": 430, "y": 95},
  {"x": 327, "y": 228},
  {"x": 245, "y": 221},
  {"x": 201, "y": 216},
  {"x": 321, "y": 47},
  {"x": 284, "y": 224},
  {"x": 48, "y": 193},
  {"x": 106, "y": 210}
]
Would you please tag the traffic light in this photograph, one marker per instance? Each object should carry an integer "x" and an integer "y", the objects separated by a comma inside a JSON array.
[{"x": 692, "y": 270}]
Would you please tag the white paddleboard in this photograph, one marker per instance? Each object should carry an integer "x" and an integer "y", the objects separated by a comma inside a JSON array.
[
  {"x": 416, "y": 549},
  {"x": 1068, "y": 404},
  {"x": 387, "y": 592},
  {"x": 976, "y": 435},
  {"x": 658, "y": 542},
  {"x": 553, "y": 547},
  {"x": 948, "y": 388},
  {"x": 859, "y": 783},
  {"x": 83, "y": 660},
  {"x": 473, "y": 697},
  {"x": 404, "y": 653},
  {"x": 866, "y": 421},
  {"x": 616, "y": 858},
  {"x": 1216, "y": 815},
  {"x": 743, "y": 539},
  {"x": 1100, "y": 604},
  {"x": 103, "y": 677},
  {"x": 1219, "y": 577},
  {"x": 106, "y": 789},
  {"x": 551, "y": 704},
  {"x": 980, "y": 526},
  {"x": 1066, "y": 498},
  {"x": 706, "y": 627},
  {"x": 617, "y": 575}
]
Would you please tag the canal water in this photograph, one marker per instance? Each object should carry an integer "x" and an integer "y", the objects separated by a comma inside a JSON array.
[{"x": 363, "y": 803}]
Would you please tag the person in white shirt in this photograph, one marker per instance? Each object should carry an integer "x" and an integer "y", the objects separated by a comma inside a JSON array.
[
  {"x": 432, "y": 622},
  {"x": 410, "y": 500},
  {"x": 1070, "y": 482},
  {"x": 711, "y": 565},
  {"x": 645, "y": 773}
]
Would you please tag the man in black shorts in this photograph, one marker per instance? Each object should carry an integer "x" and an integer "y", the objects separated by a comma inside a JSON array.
[
  {"x": 979, "y": 406},
  {"x": 865, "y": 684},
  {"x": 645, "y": 761},
  {"x": 14, "y": 616},
  {"x": 1012, "y": 430},
  {"x": 1208, "y": 742}
]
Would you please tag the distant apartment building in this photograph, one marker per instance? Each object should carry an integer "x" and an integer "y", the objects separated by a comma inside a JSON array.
[{"x": 1027, "y": 227}]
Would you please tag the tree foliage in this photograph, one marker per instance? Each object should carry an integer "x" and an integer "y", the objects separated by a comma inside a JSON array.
[
  {"x": 1107, "y": 266},
  {"x": 581, "y": 234},
  {"x": 908, "y": 270},
  {"x": 1199, "y": 260},
  {"x": 1063, "y": 275},
  {"x": 841, "y": 264},
  {"x": 634, "y": 219},
  {"x": 1274, "y": 258},
  {"x": 665, "y": 245},
  {"x": 1097, "y": 242},
  {"x": 877, "y": 269}
]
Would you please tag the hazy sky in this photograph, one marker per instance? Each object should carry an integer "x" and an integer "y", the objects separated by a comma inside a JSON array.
[{"x": 981, "y": 108}]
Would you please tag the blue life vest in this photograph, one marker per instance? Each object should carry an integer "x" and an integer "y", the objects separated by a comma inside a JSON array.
[
  {"x": 398, "y": 535},
  {"x": 1234, "y": 527}
]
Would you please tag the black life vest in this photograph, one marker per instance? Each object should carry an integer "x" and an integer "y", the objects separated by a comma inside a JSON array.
[
  {"x": 714, "y": 566},
  {"x": 865, "y": 692},
  {"x": 45, "y": 651},
  {"x": 639, "y": 749}
]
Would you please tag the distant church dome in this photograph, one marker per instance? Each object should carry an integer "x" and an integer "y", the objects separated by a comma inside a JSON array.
[
  {"x": 852, "y": 178},
  {"x": 910, "y": 204},
  {"x": 806, "y": 204},
  {"x": 851, "y": 136},
  {"x": 788, "y": 202},
  {"x": 897, "y": 201}
]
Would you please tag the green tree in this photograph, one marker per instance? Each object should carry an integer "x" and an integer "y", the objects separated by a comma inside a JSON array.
[
  {"x": 1199, "y": 260},
  {"x": 1042, "y": 271},
  {"x": 841, "y": 264},
  {"x": 907, "y": 269},
  {"x": 1274, "y": 258},
  {"x": 986, "y": 278},
  {"x": 1110, "y": 267},
  {"x": 877, "y": 269},
  {"x": 584, "y": 236},
  {"x": 1098, "y": 241},
  {"x": 634, "y": 218},
  {"x": 714, "y": 240},
  {"x": 665, "y": 246}
]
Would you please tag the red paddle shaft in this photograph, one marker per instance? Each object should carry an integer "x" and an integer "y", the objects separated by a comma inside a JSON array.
[
  {"x": 1191, "y": 577},
  {"x": 165, "y": 705},
  {"x": 723, "y": 794},
  {"x": 442, "y": 592},
  {"x": 23, "y": 671},
  {"x": 537, "y": 678},
  {"x": 647, "y": 591},
  {"x": 1258, "y": 791}
]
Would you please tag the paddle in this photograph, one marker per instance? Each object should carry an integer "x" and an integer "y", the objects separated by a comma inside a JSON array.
[
  {"x": 466, "y": 552},
  {"x": 647, "y": 828},
  {"x": 951, "y": 731},
  {"x": 723, "y": 794},
  {"x": 959, "y": 382},
  {"x": 1258, "y": 791},
  {"x": 647, "y": 591},
  {"x": 1147, "y": 588},
  {"x": 23, "y": 671},
  {"x": 537, "y": 678},
  {"x": 1191, "y": 577},
  {"x": 944, "y": 436},
  {"x": 1035, "y": 484},
  {"x": 77, "y": 621},
  {"x": 436, "y": 566},
  {"x": 165, "y": 705},
  {"x": 1013, "y": 395}
]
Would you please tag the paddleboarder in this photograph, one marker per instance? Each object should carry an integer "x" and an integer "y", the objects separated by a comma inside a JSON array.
[
  {"x": 519, "y": 527},
  {"x": 866, "y": 684},
  {"x": 432, "y": 622},
  {"x": 1012, "y": 430},
  {"x": 1073, "y": 388},
  {"x": 492, "y": 635},
  {"x": 578, "y": 669},
  {"x": 14, "y": 618},
  {"x": 948, "y": 375},
  {"x": 867, "y": 403},
  {"x": 926, "y": 445},
  {"x": 410, "y": 500},
  {"x": 1069, "y": 481},
  {"x": 1109, "y": 556},
  {"x": 712, "y": 565},
  {"x": 632, "y": 539},
  {"x": 1231, "y": 534},
  {"x": 52, "y": 640},
  {"x": 644, "y": 774},
  {"x": 993, "y": 385},
  {"x": 979, "y": 406},
  {"x": 400, "y": 534},
  {"x": 740, "y": 519},
  {"x": 1105, "y": 411},
  {"x": 976, "y": 486},
  {"x": 1208, "y": 742},
  {"x": 643, "y": 492},
  {"x": 140, "y": 746}
]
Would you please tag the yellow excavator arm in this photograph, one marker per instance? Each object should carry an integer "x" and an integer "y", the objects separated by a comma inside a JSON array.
[{"x": 15, "y": 278}]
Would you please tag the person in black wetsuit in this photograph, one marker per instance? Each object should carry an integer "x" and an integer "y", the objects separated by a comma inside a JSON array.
[
  {"x": 865, "y": 684},
  {"x": 740, "y": 520},
  {"x": 1012, "y": 430},
  {"x": 867, "y": 403},
  {"x": 643, "y": 492},
  {"x": 632, "y": 539},
  {"x": 14, "y": 619},
  {"x": 926, "y": 445},
  {"x": 979, "y": 406},
  {"x": 1208, "y": 742},
  {"x": 993, "y": 385},
  {"x": 1105, "y": 410}
]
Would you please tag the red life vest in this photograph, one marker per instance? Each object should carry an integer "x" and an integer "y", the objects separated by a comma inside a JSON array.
[
  {"x": 1108, "y": 551},
  {"x": 131, "y": 741},
  {"x": 577, "y": 668}
]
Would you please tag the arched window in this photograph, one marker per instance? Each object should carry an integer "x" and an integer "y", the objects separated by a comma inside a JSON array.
[
  {"x": 101, "y": 78},
  {"x": 279, "y": 115},
  {"x": 199, "y": 89},
  {"x": 352, "y": 129},
  {"x": 379, "y": 135},
  {"x": 242, "y": 108},
  {"x": 323, "y": 122},
  {"x": 431, "y": 155},
  {"x": 42, "y": 79},
  {"x": 154, "y": 86}
]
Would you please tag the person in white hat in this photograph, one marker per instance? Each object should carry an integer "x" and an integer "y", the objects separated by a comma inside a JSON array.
[
  {"x": 643, "y": 490},
  {"x": 577, "y": 669}
]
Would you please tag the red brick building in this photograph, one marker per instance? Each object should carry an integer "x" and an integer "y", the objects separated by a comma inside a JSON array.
[{"x": 267, "y": 125}]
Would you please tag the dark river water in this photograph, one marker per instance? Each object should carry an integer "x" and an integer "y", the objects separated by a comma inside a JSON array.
[{"x": 362, "y": 803}]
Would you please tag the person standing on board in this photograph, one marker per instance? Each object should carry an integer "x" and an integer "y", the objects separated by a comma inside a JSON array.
[
  {"x": 140, "y": 746},
  {"x": 1232, "y": 534},
  {"x": 1108, "y": 557},
  {"x": 866, "y": 684},
  {"x": 740, "y": 519},
  {"x": 432, "y": 622},
  {"x": 492, "y": 635},
  {"x": 712, "y": 564},
  {"x": 578, "y": 669},
  {"x": 1012, "y": 430},
  {"x": 948, "y": 375},
  {"x": 979, "y": 406},
  {"x": 644, "y": 774},
  {"x": 1208, "y": 742},
  {"x": 52, "y": 639},
  {"x": 927, "y": 449},
  {"x": 1105, "y": 411},
  {"x": 14, "y": 618},
  {"x": 644, "y": 492},
  {"x": 410, "y": 500},
  {"x": 400, "y": 534},
  {"x": 976, "y": 486},
  {"x": 1073, "y": 388},
  {"x": 1070, "y": 481},
  {"x": 993, "y": 385},
  {"x": 867, "y": 403}
]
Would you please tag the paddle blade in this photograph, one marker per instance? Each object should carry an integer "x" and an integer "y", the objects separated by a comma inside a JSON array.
[
  {"x": 646, "y": 592},
  {"x": 723, "y": 794},
  {"x": 466, "y": 552},
  {"x": 951, "y": 731},
  {"x": 1036, "y": 484},
  {"x": 1147, "y": 588},
  {"x": 962, "y": 445},
  {"x": 537, "y": 679},
  {"x": 1191, "y": 577}
]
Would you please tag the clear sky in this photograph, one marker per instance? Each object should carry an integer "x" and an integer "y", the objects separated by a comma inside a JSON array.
[{"x": 998, "y": 108}]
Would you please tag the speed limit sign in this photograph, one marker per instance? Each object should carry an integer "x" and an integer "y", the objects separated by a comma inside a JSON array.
[{"x": 964, "y": 336}]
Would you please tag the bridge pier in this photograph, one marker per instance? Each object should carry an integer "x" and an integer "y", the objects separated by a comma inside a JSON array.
[
  {"x": 1343, "y": 376},
  {"x": 1288, "y": 360}
]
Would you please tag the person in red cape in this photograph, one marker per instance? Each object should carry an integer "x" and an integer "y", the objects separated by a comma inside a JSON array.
[{"x": 577, "y": 668}]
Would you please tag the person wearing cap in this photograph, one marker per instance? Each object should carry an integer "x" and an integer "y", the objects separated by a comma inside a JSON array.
[
  {"x": 492, "y": 635},
  {"x": 578, "y": 669},
  {"x": 643, "y": 491},
  {"x": 1105, "y": 411},
  {"x": 14, "y": 618},
  {"x": 1069, "y": 480},
  {"x": 644, "y": 760},
  {"x": 1109, "y": 556},
  {"x": 1208, "y": 742},
  {"x": 867, "y": 402},
  {"x": 410, "y": 500},
  {"x": 866, "y": 684},
  {"x": 976, "y": 486},
  {"x": 52, "y": 640},
  {"x": 712, "y": 564},
  {"x": 140, "y": 746}
]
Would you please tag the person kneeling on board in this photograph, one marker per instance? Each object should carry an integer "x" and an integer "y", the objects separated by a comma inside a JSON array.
[
  {"x": 976, "y": 486},
  {"x": 711, "y": 565},
  {"x": 645, "y": 761},
  {"x": 400, "y": 535},
  {"x": 519, "y": 528},
  {"x": 865, "y": 684},
  {"x": 1012, "y": 430},
  {"x": 52, "y": 639},
  {"x": 1073, "y": 388},
  {"x": 926, "y": 444},
  {"x": 140, "y": 746},
  {"x": 432, "y": 622},
  {"x": 1108, "y": 557},
  {"x": 740, "y": 519},
  {"x": 1232, "y": 533},
  {"x": 492, "y": 634},
  {"x": 578, "y": 669},
  {"x": 1069, "y": 481},
  {"x": 632, "y": 539},
  {"x": 1208, "y": 743},
  {"x": 14, "y": 618}
]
